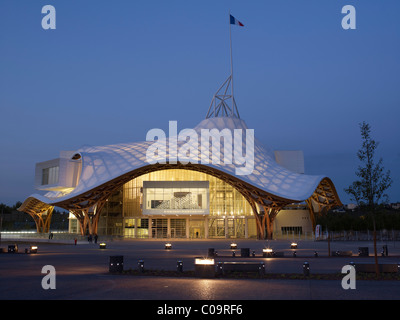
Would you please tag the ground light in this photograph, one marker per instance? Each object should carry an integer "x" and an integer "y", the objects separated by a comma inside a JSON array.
[
  {"x": 204, "y": 261},
  {"x": 233, "y": 245},
  {"x": 204, "y": 267},
  {"x": 168, "y": 246},
  {"x": 293, "y": 245},
  {"x": 268, "y": 252},
  {"x": 33, "y": 249},
  {"x": 102, "y": 245}
]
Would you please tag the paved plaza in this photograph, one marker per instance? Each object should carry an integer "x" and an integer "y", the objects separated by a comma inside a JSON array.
[{"x": 82, "y": 271}]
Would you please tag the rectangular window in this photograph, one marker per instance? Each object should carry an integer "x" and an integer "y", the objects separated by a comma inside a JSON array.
[
  {"x": 45, "y": 176},
  {"x": 292, "y": 230},
  {"x": 178, "y": 228},
  {"x": 175, "y": 197},
  {"x": 50, "y": 175}
]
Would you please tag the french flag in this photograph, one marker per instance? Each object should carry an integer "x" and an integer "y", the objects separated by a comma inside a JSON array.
[{"x": 235, "y": 21}]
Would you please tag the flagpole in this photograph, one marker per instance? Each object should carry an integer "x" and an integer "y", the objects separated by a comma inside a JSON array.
[{"x": 230, "y": 42}]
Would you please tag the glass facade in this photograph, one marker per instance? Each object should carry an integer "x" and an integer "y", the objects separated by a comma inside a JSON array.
[
  {"x": 177, "y": 203},
  {"x": 175, "y": 197},
  {"x": 224, "y": 199}
]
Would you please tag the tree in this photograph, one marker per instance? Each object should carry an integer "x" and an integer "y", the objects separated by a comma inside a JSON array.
[
  {"x": 355, "y": 192},
  {"x": 373, "y": 182}
]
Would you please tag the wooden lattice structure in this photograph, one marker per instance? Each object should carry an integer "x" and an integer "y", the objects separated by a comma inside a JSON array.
[{"x": 40, "y": 212}]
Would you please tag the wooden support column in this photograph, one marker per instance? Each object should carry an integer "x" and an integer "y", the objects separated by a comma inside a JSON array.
[
  {"x": 269, "y": 217},
  {"x": 42, "y": 223},
  {"x": 259, "y": 217},
  {"x": 312, "y": 213},
  {"x": 88, "y": 218},
  {"x": 47, "y": 221}
]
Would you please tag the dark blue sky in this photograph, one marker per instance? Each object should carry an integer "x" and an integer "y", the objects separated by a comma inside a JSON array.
[{"x": 112, "y": 70}]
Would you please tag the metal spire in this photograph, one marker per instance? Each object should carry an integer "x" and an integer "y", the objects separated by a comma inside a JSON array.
[{"x": 222, "y": 103}]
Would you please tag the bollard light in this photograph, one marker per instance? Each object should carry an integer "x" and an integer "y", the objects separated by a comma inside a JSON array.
[
  {"x": 261, "y": 269},
  {"x": 220, "y": 266},
  {"x": 141, "y": 265},
  {"x": 315, "y": 254},
  {"x": 294, "y": 254},
  {"x": 233, "y": 254},
  {"x": 102, "y": 245},
  {"x": 253, "y": 253},
  {"x": 306, "y": 268},
  {"x": 179, "y": 266}
]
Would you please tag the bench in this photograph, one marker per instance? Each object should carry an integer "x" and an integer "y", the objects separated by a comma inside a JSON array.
[
  {"x": 383, "y": 268},
  {"x": 342, "y": 253},
  {"x": 241, "y": 266}
]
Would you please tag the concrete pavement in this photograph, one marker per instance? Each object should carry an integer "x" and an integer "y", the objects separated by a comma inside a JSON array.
[{"x": 82, "y": 272}]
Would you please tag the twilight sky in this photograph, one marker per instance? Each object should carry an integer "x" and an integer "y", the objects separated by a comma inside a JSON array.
[{"x": 112, "y": 70}]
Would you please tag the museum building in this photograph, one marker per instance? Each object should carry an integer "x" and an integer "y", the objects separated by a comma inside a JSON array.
[{"x": 183, "y": 185}]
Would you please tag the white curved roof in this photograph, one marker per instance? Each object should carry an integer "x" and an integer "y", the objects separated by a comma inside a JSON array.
[{"x": 104, "y": 163}]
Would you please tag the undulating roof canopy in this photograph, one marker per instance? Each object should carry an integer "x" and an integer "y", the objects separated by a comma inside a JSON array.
[{"x": 105, "y": 168}]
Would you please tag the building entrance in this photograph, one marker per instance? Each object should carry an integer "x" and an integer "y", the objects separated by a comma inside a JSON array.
[{"x": 159, "y": 228}]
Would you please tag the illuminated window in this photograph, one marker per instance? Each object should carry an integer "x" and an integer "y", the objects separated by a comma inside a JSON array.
[
  {"x": 50, "y": 175},
  {"x": 223, "y": 199}
]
